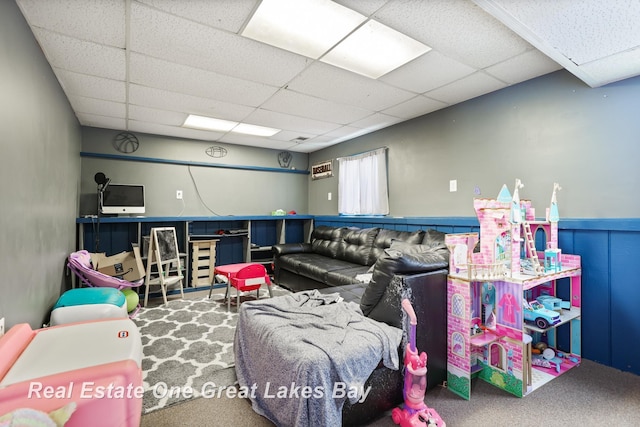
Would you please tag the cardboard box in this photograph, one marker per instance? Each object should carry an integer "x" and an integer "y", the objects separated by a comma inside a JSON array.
[{"x": 125, "y": 265}]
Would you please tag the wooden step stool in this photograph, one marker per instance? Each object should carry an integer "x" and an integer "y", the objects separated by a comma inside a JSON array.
[{"x": 203, "y": 262}]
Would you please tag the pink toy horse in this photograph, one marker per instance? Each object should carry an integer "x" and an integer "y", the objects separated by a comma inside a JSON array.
[{"x": 415, "y": 412}]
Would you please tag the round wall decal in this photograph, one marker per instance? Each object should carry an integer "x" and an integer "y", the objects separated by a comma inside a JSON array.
[
  {"x": 216, "y": 151},
  {"x": 126, "y": 142}
]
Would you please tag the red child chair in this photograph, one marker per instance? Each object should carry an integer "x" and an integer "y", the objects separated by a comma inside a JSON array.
[{"x": 249, "y": 278}]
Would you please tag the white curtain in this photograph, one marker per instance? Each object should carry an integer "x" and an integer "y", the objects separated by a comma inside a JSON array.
[{"x": 362, "y": 184}]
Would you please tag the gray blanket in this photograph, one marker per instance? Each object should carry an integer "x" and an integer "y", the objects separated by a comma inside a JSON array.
[{"x": 300, "y": 356}]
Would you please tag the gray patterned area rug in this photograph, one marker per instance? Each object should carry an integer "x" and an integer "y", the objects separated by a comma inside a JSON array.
[{"x": 187, "y": 350}]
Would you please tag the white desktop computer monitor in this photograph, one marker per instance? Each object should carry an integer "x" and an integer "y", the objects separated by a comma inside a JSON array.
[{"x": 123, "y": 199}]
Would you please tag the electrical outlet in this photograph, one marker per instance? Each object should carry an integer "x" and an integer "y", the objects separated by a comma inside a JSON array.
[
  {"x": 329, "y": 196},
  {"x": 2, "y": 327},
  {"x": 179, "y": 194},
  {"x": 453, "y": 185}
]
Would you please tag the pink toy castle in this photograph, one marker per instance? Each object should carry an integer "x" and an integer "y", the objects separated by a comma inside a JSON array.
[{"x": 510, "y": 289}]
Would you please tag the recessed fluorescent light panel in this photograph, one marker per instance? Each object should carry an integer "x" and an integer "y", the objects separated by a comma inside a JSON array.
[
  {"x": 314, "y": 28},
  {"x": 209, "y": 123},
  {"x": 374, "y": 49},
  {"x": 306, "y": 27}
]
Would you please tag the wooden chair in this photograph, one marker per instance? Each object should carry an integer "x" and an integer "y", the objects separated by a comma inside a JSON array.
[
  {"x": 249, "y": 278},
  {"x": 163, "y": 254}
]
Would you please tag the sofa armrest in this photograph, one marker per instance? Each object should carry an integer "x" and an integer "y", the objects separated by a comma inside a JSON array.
[{"x": 290, "y": 248}]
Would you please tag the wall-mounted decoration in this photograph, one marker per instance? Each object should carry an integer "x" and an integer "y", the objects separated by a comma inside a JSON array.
[
  {"x": 322, "y": 170},
  {"x": 284, "y": 159},
  {"x": 216, "y": 151},
  {"x": 126, "y": 142}
]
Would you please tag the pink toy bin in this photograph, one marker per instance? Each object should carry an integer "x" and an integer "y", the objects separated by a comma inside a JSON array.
[{"x": 94, "y": 364}]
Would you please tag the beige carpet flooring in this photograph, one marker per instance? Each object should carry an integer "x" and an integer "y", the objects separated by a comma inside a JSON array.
[{"x": 591, "y": 395}]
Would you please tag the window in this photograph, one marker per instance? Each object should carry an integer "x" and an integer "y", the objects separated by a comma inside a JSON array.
[{"x": 362, "y": 184}]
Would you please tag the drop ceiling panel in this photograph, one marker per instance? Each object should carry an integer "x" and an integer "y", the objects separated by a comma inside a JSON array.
[
  {"x": 415, "y": 107},
  {"x": 236, "y": 138},
  {"x": 178, "y": 40},
  {"x": 178, "y": 132},
  {"x": 335, "y": 84},
  {"x": 605, "y": 27},
  {"x": 92, "y": 86},
  {"x": 376, "y": 121},
  {"x": 154, "y": 115},
  {"x": 469, "y": 87},
  {"x": 81, "y": 104},
  {"x": 290, "y": 102},
  {"x": 523, "y": 67},
  {"x": 99, "y": 21},
  {"x": 101, "y": 121},
  {"x": 581, "y": 36},
  {"x": 162, "y": 74},
  {"x": 188, "y": 104},
  {"x": 290, "y": 122},
  {"x": 458, "y": 28},
  {"x": 81, "y": 56},
  {"x": 427, "y": 72},
  {"x": 228, "y": 15}
]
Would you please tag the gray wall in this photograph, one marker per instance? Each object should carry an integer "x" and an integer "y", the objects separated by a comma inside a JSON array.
[
  {"x": 39, "y": 175},
  {"x": 207, "y": 190},
  {"x": 550, "y": 129}
]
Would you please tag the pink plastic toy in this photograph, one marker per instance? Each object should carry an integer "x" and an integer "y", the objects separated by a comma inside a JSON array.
[{"x": 415, "y": 412}]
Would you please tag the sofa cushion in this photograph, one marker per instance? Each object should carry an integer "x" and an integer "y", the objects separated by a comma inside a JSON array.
[
  {"x": 435, "y": 240},
  {"x": 326, "y": 240},
  {"x": 396, "y": 262},
  {"x": 345, "y": 276},
  {"x": 385, "y": 237},
  {"x": 357, "y": 246}
]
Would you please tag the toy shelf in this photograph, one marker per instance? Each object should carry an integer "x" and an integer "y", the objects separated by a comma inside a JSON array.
[{"x": 565, "y": 317}]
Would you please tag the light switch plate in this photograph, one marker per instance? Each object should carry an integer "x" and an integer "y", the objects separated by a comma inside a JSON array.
[{"x": 453, "y": 185}]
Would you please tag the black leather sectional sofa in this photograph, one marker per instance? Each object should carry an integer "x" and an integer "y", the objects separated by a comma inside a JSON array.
[{"x": 400, "y": 264}]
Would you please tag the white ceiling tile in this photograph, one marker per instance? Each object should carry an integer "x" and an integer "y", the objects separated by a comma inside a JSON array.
[
  {"x": 158, "y": 34},
  {"x": 91, "y": 86},
  {"x": 523, "y": 67},
  {"x": 605, "y": 27},
  {"x": 625, "y": 64},
  {"x": 291, "y": 135},
  {"x": 290, "y": 122},
  {"x": 228, "y": 15},
  {"x": 415, "y": 107},
  {"x": 376, "y": 121},
  {"x": 364, "y": 7},
  {"x": 427, "y": 72},
  {"x": 469, "y": 87},
  {"x": 173, "y": 101},
  {"x": 154, "y": 115},
  {"x": 161, "y": 74},
  {"x": 342, "y": 131},
  {"x": 99, "y": 21},
  {"x": 309, "y": 147},
  {"x": 290, "y": 102},
  {"x": 329, "y": 82},
  {"x": 95, "y": 106},
  {"x": 459, "y": 28},
  {"x": 99, "y": 121},
  {"x": 81, "y": 56},
  {"x": 178, "y": 132}
]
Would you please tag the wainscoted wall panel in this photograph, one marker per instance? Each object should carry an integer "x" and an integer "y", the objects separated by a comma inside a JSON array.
[{"x": 610, "y": 278}]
